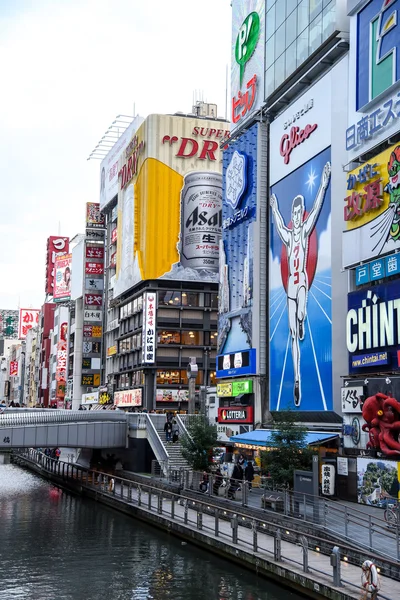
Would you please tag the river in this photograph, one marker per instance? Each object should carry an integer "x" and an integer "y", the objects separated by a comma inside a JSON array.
[{"x": 56, "y": 546}]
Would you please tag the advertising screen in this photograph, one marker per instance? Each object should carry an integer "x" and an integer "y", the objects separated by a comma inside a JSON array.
[
  {"x": 62, "y": 278},
  {"x": 239, "y": 214},
  {"x": 170, "y": 202},
  {"x": 371, "y": 212},
  {"x": 300, "y": 288}
]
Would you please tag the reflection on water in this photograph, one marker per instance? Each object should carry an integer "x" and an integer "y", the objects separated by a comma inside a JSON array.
[{"x": 57, "y": 546}]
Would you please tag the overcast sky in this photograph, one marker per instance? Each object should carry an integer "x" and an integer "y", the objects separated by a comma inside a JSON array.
[{"x": 68, "y": 68}]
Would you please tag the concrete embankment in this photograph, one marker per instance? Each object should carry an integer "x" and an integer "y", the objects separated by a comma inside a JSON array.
[{"x": 183, "y": 519}]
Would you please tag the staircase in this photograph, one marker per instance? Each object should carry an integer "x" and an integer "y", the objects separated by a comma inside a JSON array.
[{"x": 176, "y": 460}]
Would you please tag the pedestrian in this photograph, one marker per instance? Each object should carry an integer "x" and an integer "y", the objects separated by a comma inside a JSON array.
[
  {"x": 236, "y": 478},
  {"x": 57, "y": 453},
  {"x": 218, "y": 479},
  {"x": 203, "y": 487},
  {"x": 249, "y": 474},
  {"x": 168, "y": 430},
  {"x": 80, "y": 407},
  {"x": 175, "y": 432}
]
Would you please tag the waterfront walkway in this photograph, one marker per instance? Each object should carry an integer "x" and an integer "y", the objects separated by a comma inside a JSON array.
[{"x": 300, "y": 563}]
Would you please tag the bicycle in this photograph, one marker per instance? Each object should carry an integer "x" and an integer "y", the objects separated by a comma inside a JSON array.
[{"x": 391, "y": 515}]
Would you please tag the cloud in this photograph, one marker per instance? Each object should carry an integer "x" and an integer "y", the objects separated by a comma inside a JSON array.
[{"x": 275, "y": 272}]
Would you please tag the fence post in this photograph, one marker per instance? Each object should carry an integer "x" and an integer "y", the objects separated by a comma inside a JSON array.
[
  {"x": 149, "y": 499},
  {"x": 210, "y": 485},
  {"x": 305, "y": 507},
  {"x": 277, "y": 545},
  {"x": 234, "y": 525},
  {"x": 216, "y": 517},
  {"x": 335, "y": 563},
  {"x": 159, "y": 503},
  {"x": 173, "y": 507},
  {"x": 255, "y": 542},
  {"x": 200, "y": 518},
  {"x": 304, "y": 544},
  {"x": 346, "y": 532},
  {"x": 285, "y": 511},
  {"x": 139, "y": 495},
  {"x": 185, "y": 512},
  {"x": 130, "y": 492},
  {"x": 245, "y": 493},
  {"x": 122, "y": 489},
  {"x": 370, "y": 531}
]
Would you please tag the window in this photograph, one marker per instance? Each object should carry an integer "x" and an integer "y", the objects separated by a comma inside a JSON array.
[
  {"x": 315, "y": 34},
  {"x": 169, "y": 337},
  {"x": 140, "y": 303},
  {"x": 170, "y": 298},
  {"x": 328, "y": 20},
  {"x": 270, "y": 52},
  {"x": 280, "y": 41},
  {"x": 270, "y": 22},
  {"x": 192, "y": 338},
  {"x": 168, "y": 377},
  {"x": 190, "y": 299},
  {"x": 290, "y": 59},
  {"x": 214, "y": 300},
  {"x": 291, "y": 28}
]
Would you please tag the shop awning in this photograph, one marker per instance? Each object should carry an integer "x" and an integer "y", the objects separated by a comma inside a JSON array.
[{"x": 262, "y": 437}]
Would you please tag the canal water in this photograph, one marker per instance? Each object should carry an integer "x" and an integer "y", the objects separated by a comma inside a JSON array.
[{"x": 56, "y": 546}]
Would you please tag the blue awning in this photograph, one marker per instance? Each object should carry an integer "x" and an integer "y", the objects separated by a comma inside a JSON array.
[{"x": 262, "y": 437}]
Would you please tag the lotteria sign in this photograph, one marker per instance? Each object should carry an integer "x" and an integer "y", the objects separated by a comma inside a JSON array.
[
  {"x": 235, "y": 414},
  {"x": 373, "y": 328}
]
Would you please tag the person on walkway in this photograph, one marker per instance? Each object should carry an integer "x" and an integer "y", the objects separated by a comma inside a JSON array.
[
  {"x": 57, "y": 453},
  {"x": 218, "y": 479},
  {"x": 203, "y": 487},
  {"x": 168, "y": 430},
  {"x": 249, "y": 473},
  {"x": 236, "y": 478},
  {"x": 175, "y": 432}
]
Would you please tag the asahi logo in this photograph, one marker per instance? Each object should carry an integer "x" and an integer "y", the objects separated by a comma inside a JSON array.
[
  {"x": 203, "y": 217},
  {"x": 375, "y": 324}
]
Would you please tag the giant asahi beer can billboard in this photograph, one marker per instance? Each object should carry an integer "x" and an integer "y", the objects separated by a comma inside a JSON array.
[{"x": 170, "y": 201}]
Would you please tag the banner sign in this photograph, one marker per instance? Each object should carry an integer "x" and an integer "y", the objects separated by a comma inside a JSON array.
[
  {"x": 94, "y": 218},
  {"x": 163, "y": 395},
  {"x": 235, "y": 414},
  {"x": 28, "y": 318},
  {"x": 128, "y": 398},
  {"x": 91, "y": 380},
  {"x": 14, "y": 368},
  {"x": 352, "y": 398},
  {"x": 62, "y": 278},
  {"x": 56, "y": 246},
  {"x": 149, "y": 327}
]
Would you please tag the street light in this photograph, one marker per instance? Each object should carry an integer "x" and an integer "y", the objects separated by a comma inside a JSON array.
[{"x": 192, "y": 370}]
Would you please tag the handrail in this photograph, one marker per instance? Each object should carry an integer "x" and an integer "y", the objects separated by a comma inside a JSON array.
[
  {"x": 60, "y": 416},
  {"x": 156, "y": 443},
  {"x": 182, "y": 428}
]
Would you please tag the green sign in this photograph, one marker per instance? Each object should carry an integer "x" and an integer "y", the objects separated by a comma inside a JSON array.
[
  {"x": 246, "y": 41},
  {"x": 242, "y": 387}
]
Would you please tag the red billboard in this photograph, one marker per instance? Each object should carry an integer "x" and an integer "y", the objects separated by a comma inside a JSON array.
[
  {"x": 92, "y": 268},
  {"x": 56, "y": 246},
  {"x": 28, "y": 318},
  {"x": 235, "y": 414},
  {"x": 14, "y": 368}
]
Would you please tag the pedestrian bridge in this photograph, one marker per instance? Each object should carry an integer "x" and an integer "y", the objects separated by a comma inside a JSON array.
[{"x": 35, "y": 428}]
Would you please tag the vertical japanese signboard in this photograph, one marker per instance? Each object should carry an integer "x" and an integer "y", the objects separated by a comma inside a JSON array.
[
  {"x": 62, "y": 278},
  {"x": 149, "y": 327},
  {"x": 94, "y": 218},
  {"x": 14, "y": 368},
  {"x": 28, "y": 318},
  {"x": 61, "y": 363},
  {"x": 56, "y": 246}
]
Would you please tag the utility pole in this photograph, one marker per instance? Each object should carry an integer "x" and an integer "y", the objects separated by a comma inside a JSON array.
[{"x": 192, "y": 370}]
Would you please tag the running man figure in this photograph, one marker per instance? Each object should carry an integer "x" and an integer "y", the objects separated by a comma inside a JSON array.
[{"x": 296, "y": 242}]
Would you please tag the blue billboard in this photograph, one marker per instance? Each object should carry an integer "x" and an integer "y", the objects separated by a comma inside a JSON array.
[
  {"x": 373, "y": 328},
  {"x": 300, "y": 321},
  {"x": 237, "y": 364},
  {"x": 235, "y": 319}
]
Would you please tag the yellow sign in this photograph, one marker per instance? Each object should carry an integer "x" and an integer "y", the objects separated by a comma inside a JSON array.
[
  {"x": 97, "y": 331},
  {"x": 96, "y": 379},
  {"x": 111, "y": 350},
  {"x": 170, "y": 201},
  {"x": 224, "y": 389},
  {"x": 372, "y": 208}
]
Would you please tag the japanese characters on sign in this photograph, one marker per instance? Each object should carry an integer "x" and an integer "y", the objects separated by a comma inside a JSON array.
[
  {"x": 28, "y": 318},
  {"x": 149, "y": 327},
  {"x": 94, "y": 218},
  {"x": 328, "y": 480},
  {"x": 93, "y": 299},
  {"x": 94, "y": 251},
  {"x": 92, "y": 331},
  {"x": 91, "y": 347},
  {"x": 62, "y": 277},
  {"x": 247, "y": 73},
  {"x": 91, "y": 380},
  {"x": 9, "y": 324},
  {"x": 92, "y": 284},
  {"x": 352, "y": 399},
  {"x": 56, "y": 246},
  {"x": 92, "y": 315},
  {"x": 378, "y": 269},
  {"x": 94, "y": 268},
  {"x": 371, "y": 213},
  {"x": 61, "y": 363},
  {"x": 114, "y": 235},
  {"x": 111, "y": 351},
  {"x": 13, "y": 368},
  {"x": 128, "y": 398}
]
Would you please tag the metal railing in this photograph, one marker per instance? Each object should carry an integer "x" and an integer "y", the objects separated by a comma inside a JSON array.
[
  {"x": 155, "y": 442},
  {"x": 354, "y": 525},
  {"x": 40, "y": 417},
  {"x": 256, "y": 535}
]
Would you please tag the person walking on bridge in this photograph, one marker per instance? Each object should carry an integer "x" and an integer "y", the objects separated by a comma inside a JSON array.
[{"x": 168, "y": 430}]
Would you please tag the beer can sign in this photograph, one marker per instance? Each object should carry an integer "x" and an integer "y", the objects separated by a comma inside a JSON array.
[{"x": 201, "y": 220}]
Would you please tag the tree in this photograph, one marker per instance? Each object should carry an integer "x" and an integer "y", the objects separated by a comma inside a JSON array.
[
  {"x": 197, "y": 446},
  {"x": 288, "y": 450}
]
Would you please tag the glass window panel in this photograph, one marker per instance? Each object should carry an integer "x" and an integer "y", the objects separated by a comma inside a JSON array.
[
  {"x": 328, "y": 21},
  {"x": 270, "y": 23},
  {"x": 279, "y": 70},
  {"x": 192, "y": 338},
  {"x": 280, "y": 13},
  {"x": 270, "y": 3},
  {"x": 302, "y": 47},
  {"x": 213, "y": 338},
  {"x": 169, "y": 337},
  {"x": 315, "y": 8},
  {"x": 190, "y": 299},
  {"x": 290, "y": 60},
  {"x": 291, "y": 28},
  {"x": 169, "y": 298},
  {"x": 214, "y": 300},
  {"x": 315, "y": 34},
  {"x": 270, "y": 52},
  {"x": 269, "y": 81},
  {"x": 140, "y": 303},
  {"x": 290, "y": 6},
  {"x": 280, "y": 41},
  {"x": 302, "y": 15},
  {"x": 168, "y": 377}
]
